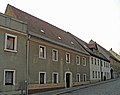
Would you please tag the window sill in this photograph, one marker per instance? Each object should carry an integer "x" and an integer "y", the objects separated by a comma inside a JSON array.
[{"x": 10, "y": 50}]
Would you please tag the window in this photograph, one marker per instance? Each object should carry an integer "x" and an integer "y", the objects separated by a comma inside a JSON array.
[
  {"x": 84, "y": 61},
  {"x": 78, "y": 60},
  {"x": 55, "y": 55},
  {"x": 95, "y": 61},
  {"x": 67, "y": 57},
  {"x": 9, "y": 77},
  {"x": 42, "y": 52},
  {"x": 96, "y": 74},
  {"x": 54, "y": 77},
  {"x": 42, "y": 77},
  {"x": 84, "y": 77},
  {"x": 101, "y": 63},
  {"x": 77, "y": 77},
  {"x": 10, "y": 42},
  {"x": 92, "y": 60},
  {"x": 93, "y": 74},
  {"x": 98, "y": 62}
]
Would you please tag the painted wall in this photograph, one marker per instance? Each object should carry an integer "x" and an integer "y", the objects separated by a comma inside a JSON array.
[
  {"x": 49, "y": 66},
  {"x": 10, "y": 60}
]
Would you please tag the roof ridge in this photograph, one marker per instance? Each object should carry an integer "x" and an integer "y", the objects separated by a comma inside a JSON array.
[{"x": 35, "y": 17}]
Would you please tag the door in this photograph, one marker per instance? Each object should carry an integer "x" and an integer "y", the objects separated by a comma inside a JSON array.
[
  {"x": 111, "y": 71},
  {"x": 68, "y": 80},
  {"x": 102, "y": 76}
]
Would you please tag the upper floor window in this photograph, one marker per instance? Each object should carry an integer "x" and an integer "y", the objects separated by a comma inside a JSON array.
[
  {"x": 92, "y": 60},
  {"x": 98, "y": 62},
  {"x": 95, "y": 61},
  {"x": 84, "y": 61},
  {"x": 55, "y": 55},
  {"x": 67, "y": 57},
  {"x": 101, "y": 63},
  {"x": 78, "y": 60},
  {"x": 10, "y": 42},
  {"x": 42, "y": 52}
]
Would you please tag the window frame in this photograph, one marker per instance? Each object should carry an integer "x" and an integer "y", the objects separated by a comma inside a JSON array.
[
  {"x": 84, "y": 64},
  {"x": 6, "y": 42},
  {"x": 44, "y": 52},
  {"x": 84, "y": 77},
  {"x": 67, "y": 58},
  {"x": 9, "y": 70},
  {"x": 77, "y": 58},
  {"x": 44, "y": 77},
  {"x": 56, "y": 55},
  {"x": 53, "y": 77},
  {"x": 78, "y": 75}
]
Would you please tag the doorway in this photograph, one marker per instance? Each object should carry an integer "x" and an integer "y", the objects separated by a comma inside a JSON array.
[
  {"x": 111, "y": 72},
  {"x": 68, "y": 79}
]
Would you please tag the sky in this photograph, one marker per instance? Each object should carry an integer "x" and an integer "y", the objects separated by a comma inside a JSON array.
[{"x": 98, "y": 20}]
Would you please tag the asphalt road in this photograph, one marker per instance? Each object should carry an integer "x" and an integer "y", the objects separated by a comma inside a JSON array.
[{"x": 110, "y": 88}]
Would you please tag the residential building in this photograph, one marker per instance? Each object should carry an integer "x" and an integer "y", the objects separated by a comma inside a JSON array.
[
  {"x": 12, "y": 54},
  {"x": 115, "y": 64},
  {"x": 99, "y": 64},
  {"x": 56, "y": 59}
]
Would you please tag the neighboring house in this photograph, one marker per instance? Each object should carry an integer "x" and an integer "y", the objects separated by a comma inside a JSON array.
[
  {"x": 115, "y": 63},
  {"x": 12, "y": 54},
  {"x": 56, "y": 59},
  {"x": 99, "y": 64}
]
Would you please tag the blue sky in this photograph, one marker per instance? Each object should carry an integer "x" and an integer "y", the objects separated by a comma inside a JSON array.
[{"x": 87, "y": 19}]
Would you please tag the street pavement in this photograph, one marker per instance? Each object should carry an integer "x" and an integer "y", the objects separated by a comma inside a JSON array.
[{"x": 109, "y": 87}]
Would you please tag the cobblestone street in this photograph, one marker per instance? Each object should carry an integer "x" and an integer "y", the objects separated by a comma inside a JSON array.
[{"x": 110, "y": 88}]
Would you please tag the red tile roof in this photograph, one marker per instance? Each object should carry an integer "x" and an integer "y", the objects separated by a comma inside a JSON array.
[{"x": 46, "y": 30}]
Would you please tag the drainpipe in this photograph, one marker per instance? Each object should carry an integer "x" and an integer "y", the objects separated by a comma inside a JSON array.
[{"x": 27, "y": 64}]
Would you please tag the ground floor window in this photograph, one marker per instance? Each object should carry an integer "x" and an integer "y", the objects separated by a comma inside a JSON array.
[
  {"x": 77, "y": 77},
  {"x": 9, "y": 77},
  {"x": 42, "y": 77},
  {"x": 84, "y": 77},
  {"x": 54, "y": 77}
]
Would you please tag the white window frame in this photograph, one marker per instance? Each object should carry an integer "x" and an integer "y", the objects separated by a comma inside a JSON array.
[
  {"x": 44, "y": 52},
  {"x": 66, "y": 57},
  {"x": 84, "y": 64},
  {"x": 54, "y": 56},
  {"x": 85, "y": 77},
  {"x": 44, "y": 77},
  {"x": 15, "y": 43},
  {"x": 53, "y": 77},
  {"x": 78, "y": 63},
  {"x": 13, "y": 75},
  {"x": 78, "y": 74}
]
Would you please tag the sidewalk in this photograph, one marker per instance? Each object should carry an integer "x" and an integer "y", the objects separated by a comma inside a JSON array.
[{"x": 65, "y": 90}]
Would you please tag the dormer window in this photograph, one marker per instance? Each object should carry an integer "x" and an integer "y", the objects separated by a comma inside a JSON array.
[
  {"x": 59, "y": 38},
  {"x": 72, "y": 43},
  {"x": 42, "y": 31}
]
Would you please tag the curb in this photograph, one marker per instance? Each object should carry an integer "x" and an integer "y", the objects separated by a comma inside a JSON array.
[{"x": 68, "y": 90}]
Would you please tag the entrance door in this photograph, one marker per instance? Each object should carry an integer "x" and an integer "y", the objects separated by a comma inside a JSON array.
[
  {"x": 68, "y": 80},
  {"x": 111, "y": 71},
  {"x": 102, "y": 76}
]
